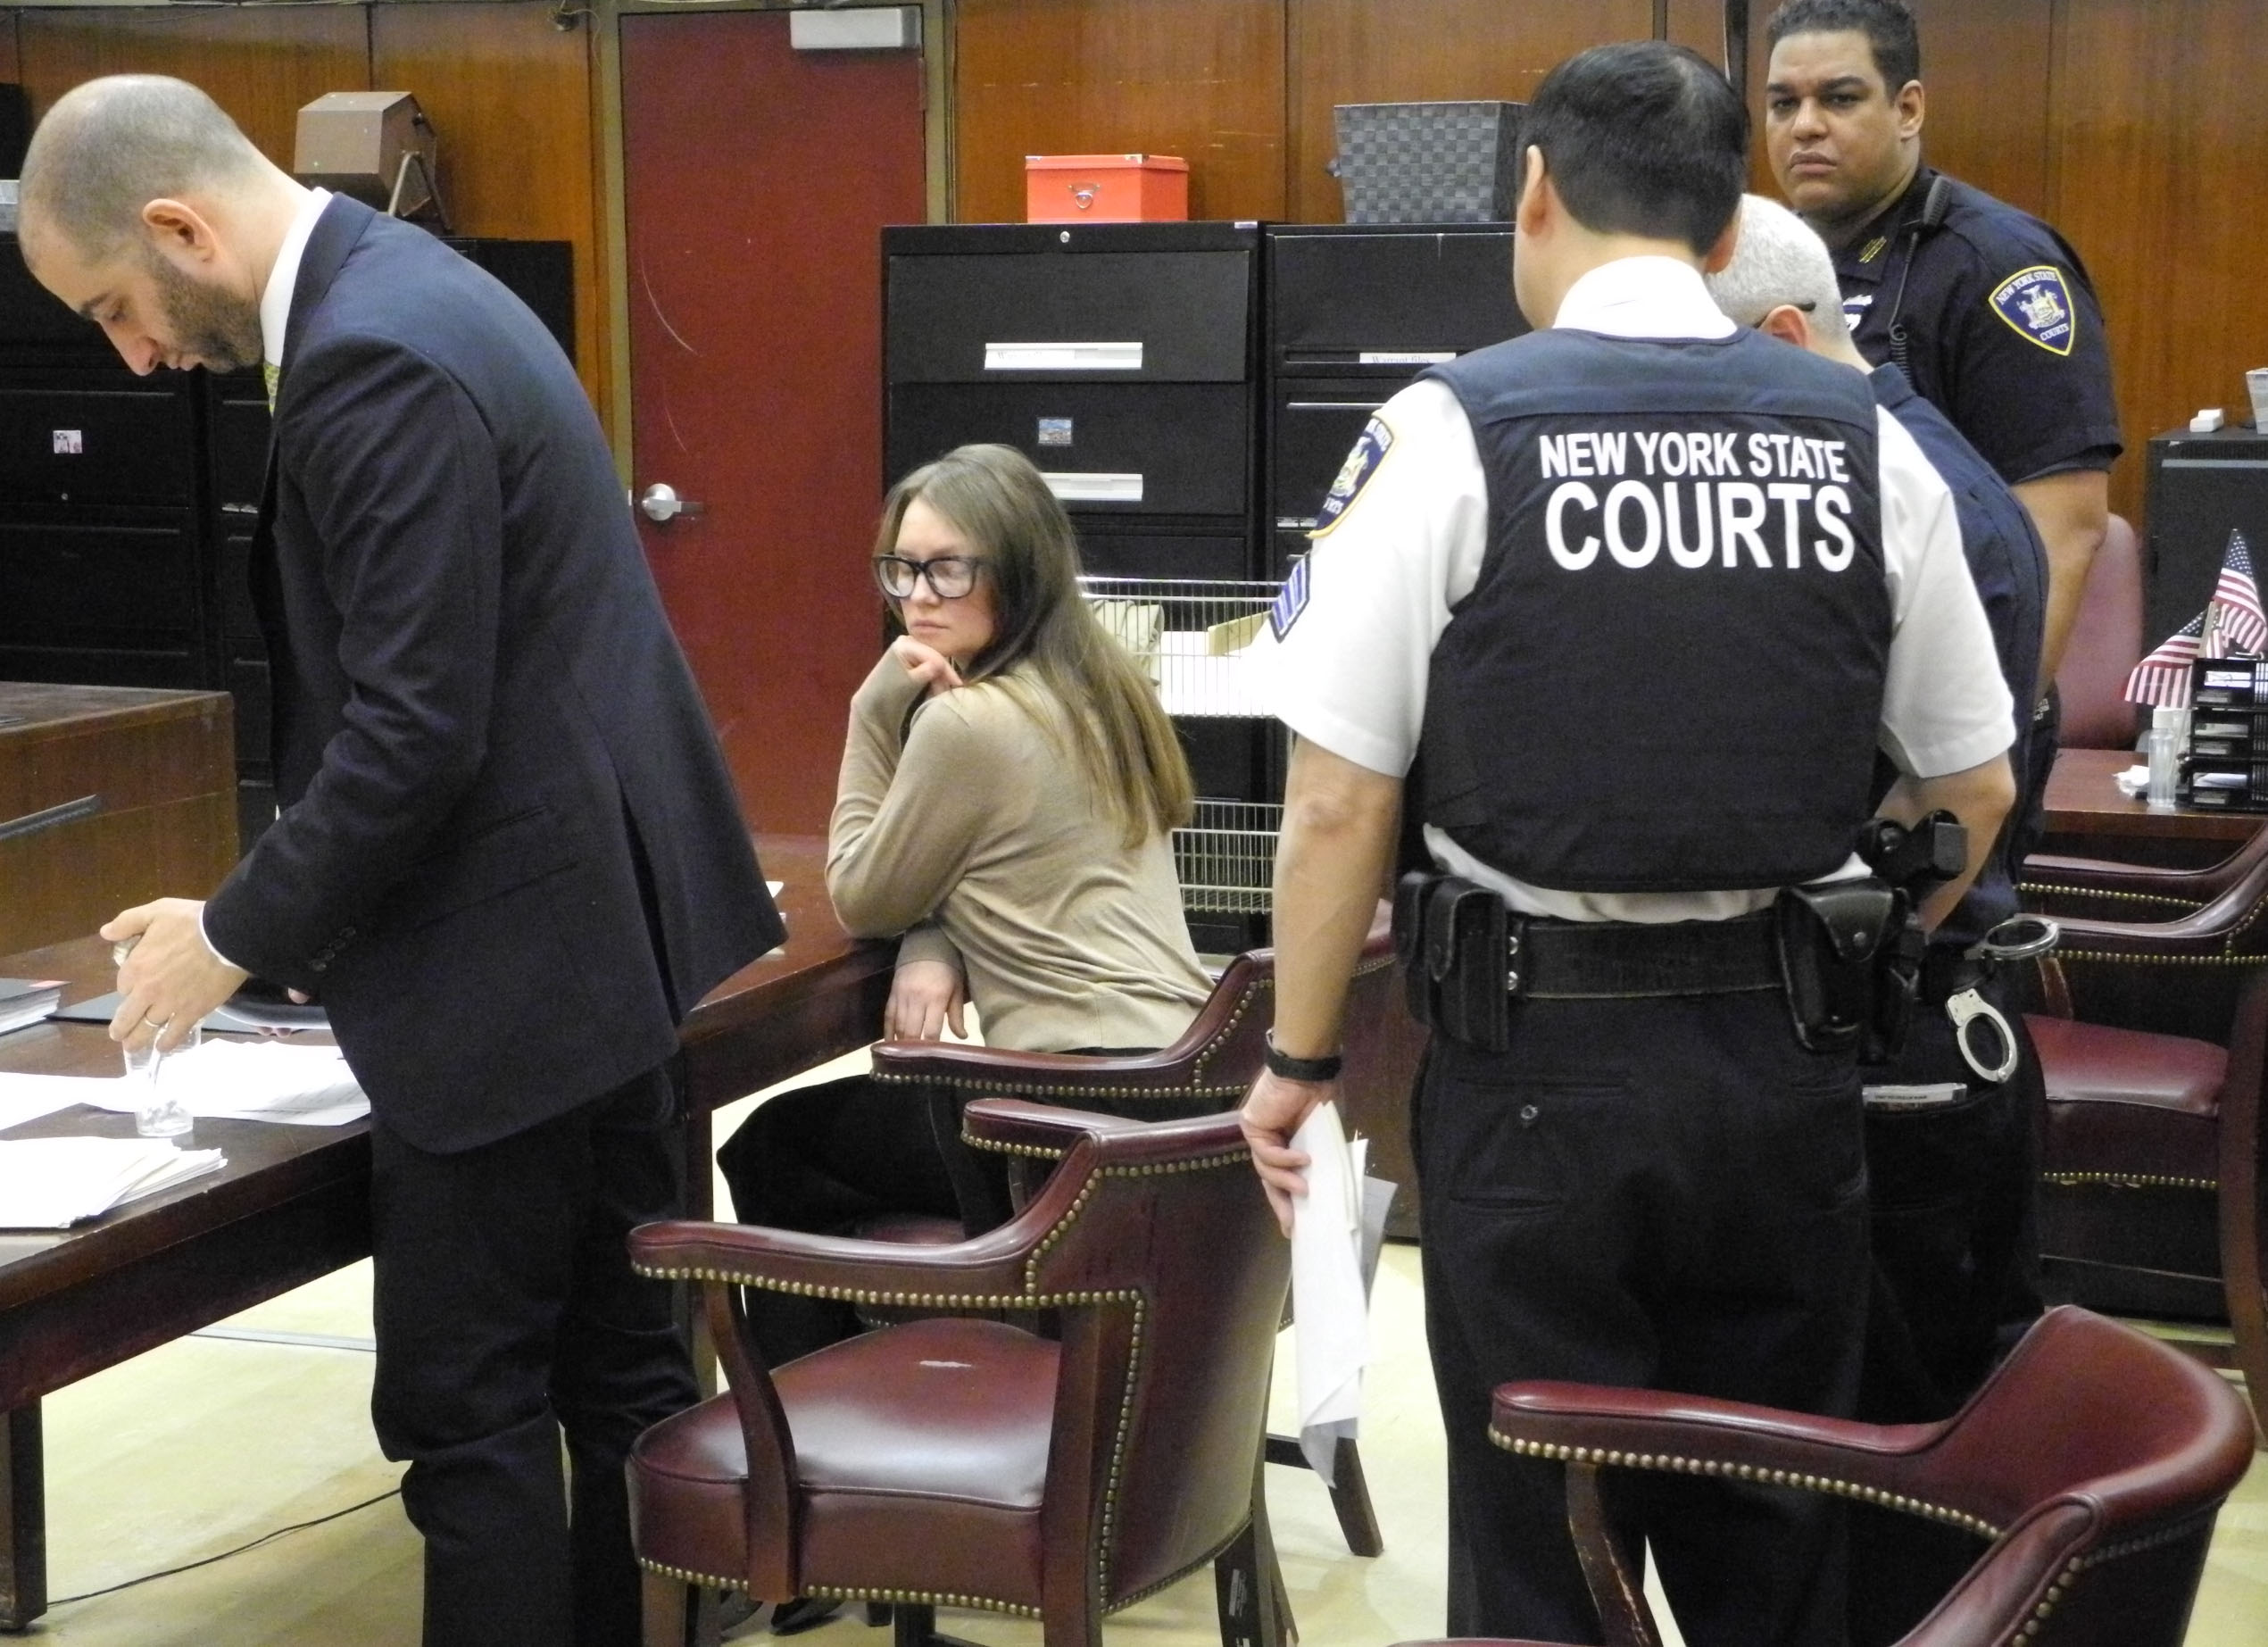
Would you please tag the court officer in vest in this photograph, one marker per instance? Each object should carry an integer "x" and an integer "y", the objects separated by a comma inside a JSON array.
[
  {"x": 1949, "y": 1157},
  {"x": 1642, "y": 593},
  {"x": 1987, "y": 310}
]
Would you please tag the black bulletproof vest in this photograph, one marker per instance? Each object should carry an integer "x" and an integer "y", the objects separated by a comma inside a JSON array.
[{"x": 1669, "y": 675}]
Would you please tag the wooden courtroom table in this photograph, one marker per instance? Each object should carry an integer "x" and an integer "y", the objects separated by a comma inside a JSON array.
[
  {"x": 293, "y": 1203},
  {"x": 109, "y": 797},
  {"x": 2087, "y": 814}
]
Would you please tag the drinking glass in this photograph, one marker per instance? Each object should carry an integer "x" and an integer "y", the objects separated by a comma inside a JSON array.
[{"x": 159, "y": 1110}]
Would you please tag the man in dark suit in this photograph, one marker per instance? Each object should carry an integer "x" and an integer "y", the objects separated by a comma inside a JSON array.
[{"x": 508, "y": 858}]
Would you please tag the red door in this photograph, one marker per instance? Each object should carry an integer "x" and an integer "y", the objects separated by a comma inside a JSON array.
[{"x": 758, "y": 180}]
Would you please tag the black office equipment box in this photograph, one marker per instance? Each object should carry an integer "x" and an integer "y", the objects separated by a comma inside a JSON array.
[
  {"x": 2200, "y": 487},
  {"x": 1119, "y": 357},
  {"x": 540, "y": 273},
  {"x": 1354, "y": 312},
  {"x": 102, "y": 571}
]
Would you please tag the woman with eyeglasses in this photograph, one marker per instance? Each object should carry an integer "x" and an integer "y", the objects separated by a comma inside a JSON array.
[{"x": 1007, "y": 789}]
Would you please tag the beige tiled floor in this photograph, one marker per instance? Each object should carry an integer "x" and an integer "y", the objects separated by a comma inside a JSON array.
[{"x": 198, "y": 1447}]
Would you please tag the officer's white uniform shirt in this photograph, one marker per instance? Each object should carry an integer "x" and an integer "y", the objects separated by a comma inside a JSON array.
[{"x": 1351, "y": 672}]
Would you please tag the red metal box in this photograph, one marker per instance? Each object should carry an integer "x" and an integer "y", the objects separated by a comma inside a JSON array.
[{"x": 1105, "y": 188}]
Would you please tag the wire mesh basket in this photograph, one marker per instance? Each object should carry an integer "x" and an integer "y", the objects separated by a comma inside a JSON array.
[
  {"x": 1225, "y": 857},
  {"x": 1195, "y": 638}
]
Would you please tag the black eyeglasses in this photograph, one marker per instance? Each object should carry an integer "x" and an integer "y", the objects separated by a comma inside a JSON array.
[{"x": 949, "y": 576}]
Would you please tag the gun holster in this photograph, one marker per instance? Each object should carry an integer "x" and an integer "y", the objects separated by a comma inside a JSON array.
[
  {"x": 1458, "y": 947},
  {"x": 1850, "y": 951}
]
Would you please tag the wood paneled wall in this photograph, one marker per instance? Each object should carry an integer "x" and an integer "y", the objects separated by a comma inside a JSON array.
[
  {"x": 1200, "y": 79},
  {"x": 1366, "y": 51},
  {"x": 510, "y": 97},
  {"x": 2158, "y": 164}
]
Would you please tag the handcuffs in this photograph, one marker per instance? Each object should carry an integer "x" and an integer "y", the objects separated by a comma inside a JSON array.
[{"x": 2020, "y": 937}]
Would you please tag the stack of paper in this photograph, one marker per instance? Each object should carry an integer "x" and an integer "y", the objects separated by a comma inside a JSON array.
[
  {"x": 1336, "y": 1228},
  {"x": 250, "y": 1081},
  {"x": 27, "y": 1000},
  {"x": 52, "y": 1182}
]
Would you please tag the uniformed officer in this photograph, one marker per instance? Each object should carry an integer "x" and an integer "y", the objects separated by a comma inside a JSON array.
[
  {"x": 1986, "y": 309},
  {"x": 1948, "y": 1122},
  {"x": 1644, "y": 592}
]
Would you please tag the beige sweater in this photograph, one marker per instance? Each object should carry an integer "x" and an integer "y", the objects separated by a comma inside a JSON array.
[{"x": 980, "y": 840}]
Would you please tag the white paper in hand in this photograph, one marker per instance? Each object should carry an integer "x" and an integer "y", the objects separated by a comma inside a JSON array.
[{"x": 1330, "y": 1306}]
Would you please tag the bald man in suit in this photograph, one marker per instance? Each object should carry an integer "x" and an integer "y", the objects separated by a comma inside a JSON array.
[{"x": 508, "y": 857}]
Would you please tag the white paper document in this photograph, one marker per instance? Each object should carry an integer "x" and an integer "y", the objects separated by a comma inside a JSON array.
[
  {"x": 28, "y": 1097},
  {"x": 53, "y": 1183},
  {"x": 248, "y": 1081},
  {"x": 1335, "y": 1229}
]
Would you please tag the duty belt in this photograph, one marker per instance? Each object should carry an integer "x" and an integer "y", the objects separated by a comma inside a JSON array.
[{"x": 1617, "y": 960}]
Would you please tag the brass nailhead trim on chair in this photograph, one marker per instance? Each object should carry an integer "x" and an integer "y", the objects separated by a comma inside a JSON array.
[
  {"x": 2228, "y": 957},
  {"x": 2045, "y": 889},
  {"x": 1034, "y": 1151},
  {"x": 1746, "y": 1472},
  {"x": 2078, "y": 1564},
  {"x": 2126, "y": 1180},
  {"x": 685, "y": 1575},
  {"x": 928, "y": 1598},
  {"x": 2108, "y": 959}
]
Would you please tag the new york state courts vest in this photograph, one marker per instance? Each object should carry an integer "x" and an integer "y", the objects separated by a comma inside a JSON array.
[{"x": 1669, "y": 675}]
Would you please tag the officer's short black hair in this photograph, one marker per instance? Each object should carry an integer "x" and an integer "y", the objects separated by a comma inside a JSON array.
[
  {"x": 1888, "y": 25},
  {"x": 1643, "y": 139}
]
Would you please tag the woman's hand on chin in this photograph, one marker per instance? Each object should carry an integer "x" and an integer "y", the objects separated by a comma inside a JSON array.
[{"x": 930, "y": 669}]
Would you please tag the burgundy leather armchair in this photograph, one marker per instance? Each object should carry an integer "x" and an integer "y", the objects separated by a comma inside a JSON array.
[
  {"x": 2090, "y": 1466},
  {"x": 1213, "y": 1063},
  {"x": 1204, "y": 1072},
  {"x": 949, "y": 1460},
  {"x": 2151, "y": 1052},
  {"x": 2107, "y": 642}
]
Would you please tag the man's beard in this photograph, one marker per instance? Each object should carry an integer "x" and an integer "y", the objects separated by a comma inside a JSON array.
[{"x": 210, "y": 322}]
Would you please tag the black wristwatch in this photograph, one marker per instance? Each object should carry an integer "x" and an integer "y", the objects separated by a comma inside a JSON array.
[{"x": 1285, "y": 1066}]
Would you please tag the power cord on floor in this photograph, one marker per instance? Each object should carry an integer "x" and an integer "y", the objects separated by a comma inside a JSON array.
[{"x": 296, "y": 1526}]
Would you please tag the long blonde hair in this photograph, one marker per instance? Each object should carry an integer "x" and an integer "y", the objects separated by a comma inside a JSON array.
[{"x": 1044, "y": 630}]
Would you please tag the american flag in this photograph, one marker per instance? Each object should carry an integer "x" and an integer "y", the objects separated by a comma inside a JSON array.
[
  {"x": 2164, "y": 677},
  {"x": 2243, "y": 625},
  {"x": 2238, "y": 622}
]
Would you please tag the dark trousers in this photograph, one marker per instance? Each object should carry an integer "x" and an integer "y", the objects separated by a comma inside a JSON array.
[
  {"x": 823, "y": 1159},
  {"x": 1956, "y": 1282},
  {"x": 507, "y": 1315},
  {"x": 1666, "y": 1193}
]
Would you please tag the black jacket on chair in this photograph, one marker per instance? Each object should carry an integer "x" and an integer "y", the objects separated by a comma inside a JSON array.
[{"x": 509, "y": 857}]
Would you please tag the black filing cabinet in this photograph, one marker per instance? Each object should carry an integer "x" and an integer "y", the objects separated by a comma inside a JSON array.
[
  {"x": 127, "y": 505},
  {"x": 1119, "y": 357},
  {"x": 1123, "y": 359},
  {"x": 1354, "y": 312},
  {"x": 2200, "y": 487},
  {"x": 102, "y": 564}
]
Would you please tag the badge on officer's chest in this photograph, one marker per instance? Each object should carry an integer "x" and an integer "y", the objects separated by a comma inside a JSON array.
[
  {"x": 2036, "y": 304},
  {"x": 1369, "y": 451}
]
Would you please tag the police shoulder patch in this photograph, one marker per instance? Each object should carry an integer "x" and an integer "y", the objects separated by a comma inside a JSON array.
[
  {"x": 2037, "y": 305},
  {"x": 1291, "y": 599},
  {"x": 1369, "y": 451}
]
